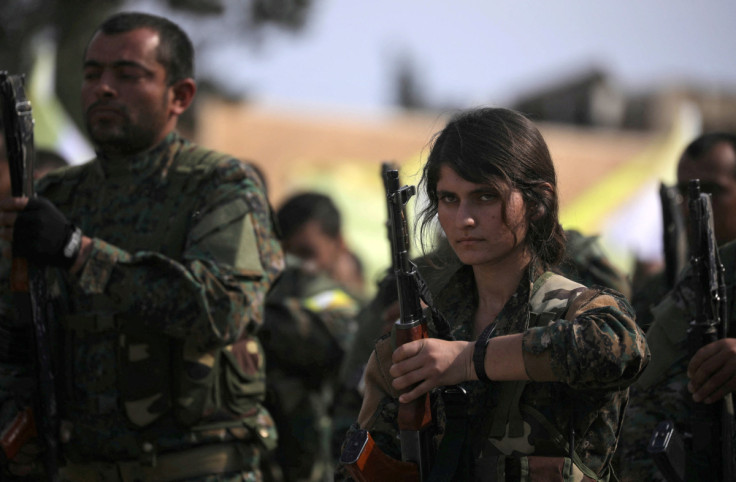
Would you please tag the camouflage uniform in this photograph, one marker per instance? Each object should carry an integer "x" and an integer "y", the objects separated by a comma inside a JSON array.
[
  {"x": 585, "y": 262},
  {"x": 309, "y": 325},
  {"x": 661, "y": 393},
  {"x": 596, "y": 351},
  {"x": 161, "y": 369}
]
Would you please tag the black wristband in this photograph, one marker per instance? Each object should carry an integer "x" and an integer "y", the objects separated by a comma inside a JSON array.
[{"x": 479, "y": 352}]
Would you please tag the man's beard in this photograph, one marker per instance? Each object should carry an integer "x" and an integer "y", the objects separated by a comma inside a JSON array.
[
  {"x": 121, "y": 136},
  {"x": 121, "y": 139}
]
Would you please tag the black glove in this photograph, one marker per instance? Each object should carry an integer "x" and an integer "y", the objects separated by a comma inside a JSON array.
[{"x": 43, "y": 235}]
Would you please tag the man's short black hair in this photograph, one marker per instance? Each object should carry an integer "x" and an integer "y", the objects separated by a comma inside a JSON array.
[
  {"x": 305, "y": 207},
  {"x": 703, "y": 143},
  {"x": 175, "y": 51}
]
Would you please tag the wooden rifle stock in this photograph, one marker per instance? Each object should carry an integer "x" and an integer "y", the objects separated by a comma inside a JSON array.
[{"x": 366, "y": 462}]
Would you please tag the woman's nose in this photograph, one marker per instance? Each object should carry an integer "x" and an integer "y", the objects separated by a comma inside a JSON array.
[{"x": 465, "y": 217}]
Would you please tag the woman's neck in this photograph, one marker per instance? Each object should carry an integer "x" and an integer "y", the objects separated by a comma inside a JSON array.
[{"x": 496, "y": 284}]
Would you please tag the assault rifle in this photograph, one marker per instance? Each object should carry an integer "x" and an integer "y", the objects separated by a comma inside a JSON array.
[
  {"x": 361, "y": 456},
  {"x": 27, "y": 284},
  {"x": 704, "y": 451},
  {"x": 370, "y": 326},
  {"x": 390, "y": 177}
]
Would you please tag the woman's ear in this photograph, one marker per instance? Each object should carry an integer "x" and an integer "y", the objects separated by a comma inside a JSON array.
[{"x": 546, "y": 192}]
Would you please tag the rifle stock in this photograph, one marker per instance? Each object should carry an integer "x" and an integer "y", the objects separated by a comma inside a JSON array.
[
  {"x": 366, "y": 462},
  {"x": 414, "y": 418}
]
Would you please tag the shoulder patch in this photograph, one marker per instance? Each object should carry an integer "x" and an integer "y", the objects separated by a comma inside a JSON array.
[{"x": 335, "y": 299}]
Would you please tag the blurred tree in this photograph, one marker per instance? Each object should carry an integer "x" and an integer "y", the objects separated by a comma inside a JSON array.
[
  {"x": 409, "y": 91},
  {"x": 69, "y": 24}
]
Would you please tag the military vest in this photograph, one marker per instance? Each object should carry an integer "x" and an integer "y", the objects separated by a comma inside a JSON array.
[{"x": 155, "y": 375}]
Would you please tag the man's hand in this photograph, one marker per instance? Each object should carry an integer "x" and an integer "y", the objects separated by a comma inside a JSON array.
[
  {"x": 39, "y": 232},
  {"x": 430, "y": 362},
  {"x": 712, "y": 371}
]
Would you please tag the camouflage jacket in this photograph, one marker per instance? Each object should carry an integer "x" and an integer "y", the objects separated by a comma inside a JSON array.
[
  {"x": 596, "y": 351},
  {"x": 661, "y": 393},
  {"x": 309, "y": 325},
  {"x": 585, "y": 262},
  {"x": 161, "y": 316}
]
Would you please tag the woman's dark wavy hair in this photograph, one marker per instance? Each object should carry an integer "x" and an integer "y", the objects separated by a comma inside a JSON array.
[{"x": 504, "y": 149}]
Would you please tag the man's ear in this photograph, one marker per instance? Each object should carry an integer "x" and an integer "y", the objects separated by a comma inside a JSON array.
[{"x": 182, "y": 93}]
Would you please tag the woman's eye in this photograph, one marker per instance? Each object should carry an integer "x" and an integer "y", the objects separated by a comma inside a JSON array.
[{"x": 447, "y": 198}]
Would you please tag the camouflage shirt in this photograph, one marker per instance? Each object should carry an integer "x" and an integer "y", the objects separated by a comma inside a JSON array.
[
  {"x": 596, "y": 351},
  {"x": 661, "y": 393},
  {"x": 310, "y": 323},
  {"x": 182, "y": 257}
]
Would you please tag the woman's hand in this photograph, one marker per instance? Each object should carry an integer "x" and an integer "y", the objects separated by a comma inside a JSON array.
[{"x": 429, "y": 363}]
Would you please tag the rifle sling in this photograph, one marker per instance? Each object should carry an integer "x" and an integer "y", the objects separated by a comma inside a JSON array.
[
  {"x": 454, "y": 459},
  {"x": 441, "y": 324}
]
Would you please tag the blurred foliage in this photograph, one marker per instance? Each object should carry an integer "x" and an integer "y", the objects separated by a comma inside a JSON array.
[{"x": 70, "y": 23}]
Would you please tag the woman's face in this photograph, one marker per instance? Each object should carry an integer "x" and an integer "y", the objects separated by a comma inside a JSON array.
[{"x": 471, "y": 216}]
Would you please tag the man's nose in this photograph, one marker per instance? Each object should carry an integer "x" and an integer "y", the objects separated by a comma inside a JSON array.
[{"x": 106, "y": 85}]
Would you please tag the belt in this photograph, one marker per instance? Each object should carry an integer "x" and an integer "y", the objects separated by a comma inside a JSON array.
[{"x": 211, "y": 459}]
